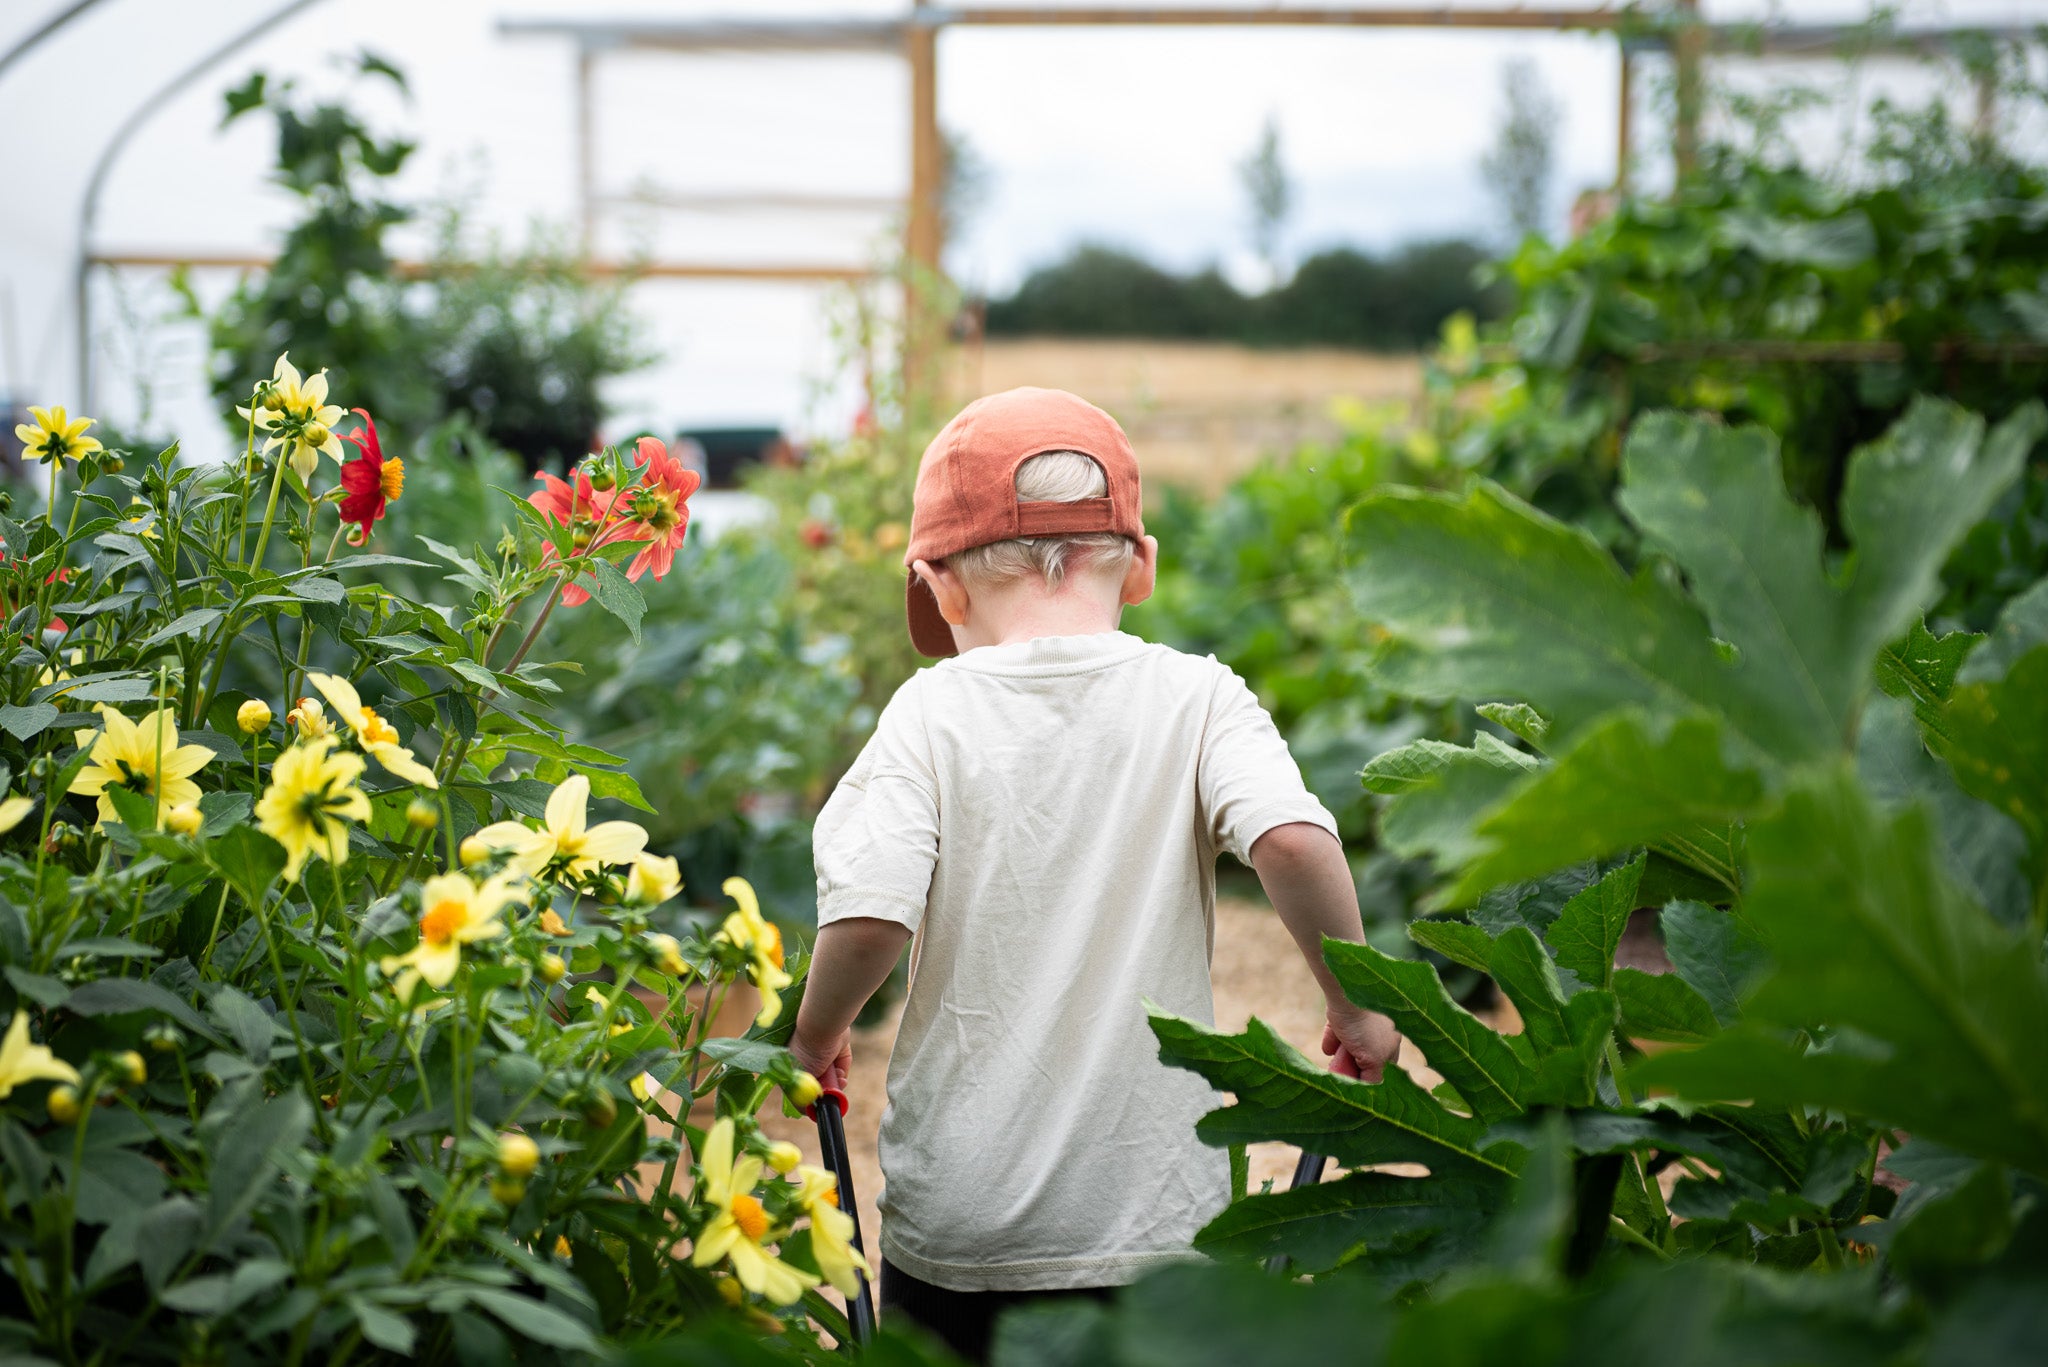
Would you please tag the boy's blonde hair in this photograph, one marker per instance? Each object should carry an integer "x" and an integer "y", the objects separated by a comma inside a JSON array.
[{"x": 1049, "y": 477}]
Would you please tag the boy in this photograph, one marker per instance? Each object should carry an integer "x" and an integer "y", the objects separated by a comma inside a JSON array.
[{"x": 1043, "y": 812}]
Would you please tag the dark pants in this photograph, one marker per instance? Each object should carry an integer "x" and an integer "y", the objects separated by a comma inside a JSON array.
[{"x": 964, "y": 1320}]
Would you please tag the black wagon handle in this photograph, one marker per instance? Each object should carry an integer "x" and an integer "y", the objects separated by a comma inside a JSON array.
[
  {"x": 1309, "y": 1170},
  {"x": 830, "y": 1112}
]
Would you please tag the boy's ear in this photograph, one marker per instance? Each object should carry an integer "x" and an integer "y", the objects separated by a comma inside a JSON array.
[
  {"x": 947, "y": 589},
  {"x": 1143, "y": 573}
]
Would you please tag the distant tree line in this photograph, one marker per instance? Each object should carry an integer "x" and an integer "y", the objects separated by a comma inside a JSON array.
[{"x": 1342, "y": 297}]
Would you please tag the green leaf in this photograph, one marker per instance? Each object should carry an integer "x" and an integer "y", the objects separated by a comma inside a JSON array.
[
  {"x": 1525, "y": 973},
  {"x": 1519, "y": 718},
  {"x": 1715, "y": 953},
  {"x": 24, "y": 722},
  {"x": 616, "y": 595},
  {"x": 1935, "y": 1012},
  {"x": 1921, "y": 669},
  {"x": 115, "y": 996},
  {"x": 617, "y": 784},
  {"x": 248, "y": 1024},
  {"x": 1437, "y": 790},
  {"x": 1586, "y": 932},
  {"x": 192, "y": 623},
  {"x": 248, "y": 859},
  {"x": 247, "y": 1154},
  {"x": 387, "y": 1330},
  {"x": 1998, "y": 743},
  {"x": 1457, "y": 1044},
  {"x": 536, "y": 1320},
  {"x": 1281, "y": 1095},
  {"x": 1317, "y": 1227},
  {"x": 137, "y": 813},
  {"x": 1459, "y": 941},
  {"x": 1983, "y": 849},
  {"x": 2022, "y": 625},
  {"x": 1662, "y": 1006},
  {"x": 1484, "y": 596},
  {"x": 1625, "y": 783}
]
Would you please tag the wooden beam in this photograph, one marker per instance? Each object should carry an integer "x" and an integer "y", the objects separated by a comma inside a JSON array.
[
  {"x": 1624, "y": 120},
  {"x": 755, "y": 201},
  {"x": 924, "y": 224},
  {"x": 1688, "y": 44},
  {"x": 1284, "y": 16},
  {"x": 426, "y": 270}
]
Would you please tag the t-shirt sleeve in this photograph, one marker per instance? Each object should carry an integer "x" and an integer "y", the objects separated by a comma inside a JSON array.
[
  {"x": 1249, "y": 782},
  {"x": 877, "y": 839}
]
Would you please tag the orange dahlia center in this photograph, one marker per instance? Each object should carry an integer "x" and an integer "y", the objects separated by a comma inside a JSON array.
[
  {"x": 374, "y": 729},
  {"x": 392, "y": 479},
  {"x": 441, "y": 922},
  {"x": 749, "y": 1216}
]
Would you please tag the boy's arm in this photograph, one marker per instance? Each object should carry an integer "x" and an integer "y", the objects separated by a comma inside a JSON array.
[
  {"x": 851, "y": 960},
  {"x": 1303, "y": 870}
]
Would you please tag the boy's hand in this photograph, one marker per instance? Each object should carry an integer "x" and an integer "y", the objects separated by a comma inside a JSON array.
[
  {"x": 831, "y": 1062},
  {"x": 1362, "y": 1043}
]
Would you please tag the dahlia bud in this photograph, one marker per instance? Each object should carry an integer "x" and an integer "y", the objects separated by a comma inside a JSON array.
[
  {"x": 183, "y": 819},
  {"x": 600, "y": 1109},
  {"x": 422, "y": 815},
  {"x": 112, "y": 463},
  {"x": 551, "y": 968},
  {"x": 315, "y": 435},
  {"x": 652, "y": 881},
  {"x": 253, "y": 716},
  {"x": 132, "y": 1067},
  {"x": 507, "y": 1192},
  {"x": 667, "y": 955},
  {"x": 163, "y": 1037},
  {"x": 518, "y": 1155},
  {"x": 783, "y": 1156},
  {"x": 472, "y": 851},
  {"x": 804, "y": 1091},
  {"x": 63, "y": 1104}
]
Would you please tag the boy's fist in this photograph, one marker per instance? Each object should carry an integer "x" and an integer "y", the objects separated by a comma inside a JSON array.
[
  {"x": 829, "y": 1061},
  {"x": 1361, "y": 1043}
]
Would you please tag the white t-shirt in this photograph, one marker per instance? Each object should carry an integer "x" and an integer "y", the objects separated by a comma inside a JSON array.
[{"x": 1046, "y": 815}]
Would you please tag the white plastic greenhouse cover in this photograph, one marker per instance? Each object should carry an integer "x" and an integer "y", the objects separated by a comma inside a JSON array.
[{"x": 1119, "y": 134}]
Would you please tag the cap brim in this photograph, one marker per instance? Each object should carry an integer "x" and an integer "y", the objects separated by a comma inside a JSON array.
[{"x": 929, "y": 631}]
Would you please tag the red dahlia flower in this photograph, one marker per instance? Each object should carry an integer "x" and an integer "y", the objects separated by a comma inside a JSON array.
[
  {"x": 659, "y": 508},
  {"x": 371, "y": 482}
]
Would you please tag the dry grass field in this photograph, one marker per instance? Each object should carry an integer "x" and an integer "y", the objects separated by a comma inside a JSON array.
[{"x": 1197, "y": 412}]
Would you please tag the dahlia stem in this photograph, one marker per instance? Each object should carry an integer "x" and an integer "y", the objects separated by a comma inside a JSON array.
[{"x": 269, "y": 511}]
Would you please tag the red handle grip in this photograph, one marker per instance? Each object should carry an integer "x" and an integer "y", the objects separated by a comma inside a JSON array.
[{"x": 832, "y": 1094}]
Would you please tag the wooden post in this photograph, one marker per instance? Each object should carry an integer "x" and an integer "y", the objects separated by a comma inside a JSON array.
[
  {"x": 586, "y": 149},
  {"x": 1687, "y": 46},
  {"x": 924, "y": 229},
  {"x": 1624, "y": 115}
]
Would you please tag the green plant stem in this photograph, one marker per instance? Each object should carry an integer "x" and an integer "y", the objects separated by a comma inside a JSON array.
[
  {"x": 269, "y": 514},
  {"x": 291, "y": 1015},
  {"x": 242, "y": 503}
]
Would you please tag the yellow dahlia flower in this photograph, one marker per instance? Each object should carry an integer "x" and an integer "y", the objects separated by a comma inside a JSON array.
[
  {"x": 453, "y": 912},
  {"x": 564, "y": 846},
  {"x": 55, "y": 435},
  {"x": 376, "y": 735},
  {"x": 739, "y": 1223},
  {"x": 831, "y": 1230},
  {"x": 298, "y": 417},
  {"x": 22, "y": 1062},
  {"x": 141, "y": 757},
  {"x": 311, "y": 798},
  {"x": 762, "y": 942}
]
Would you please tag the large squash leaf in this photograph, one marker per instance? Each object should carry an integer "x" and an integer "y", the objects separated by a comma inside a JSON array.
[
  {"x": 1924, "y": 1012},
  {"x": 1282, "y": 1096}
]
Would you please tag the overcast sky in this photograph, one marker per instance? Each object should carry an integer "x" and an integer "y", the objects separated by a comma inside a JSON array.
[{"x": 1123, "y": 136}]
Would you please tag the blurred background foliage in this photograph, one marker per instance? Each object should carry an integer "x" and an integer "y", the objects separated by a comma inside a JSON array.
[
  {"x": 520, "y": 342},
  {"x": 1816, "y": 302}
]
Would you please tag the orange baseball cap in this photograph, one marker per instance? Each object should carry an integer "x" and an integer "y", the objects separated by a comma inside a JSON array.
[{"x": 967, "y": 488}]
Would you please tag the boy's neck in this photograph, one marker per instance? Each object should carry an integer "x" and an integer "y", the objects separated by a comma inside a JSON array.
[{"x": 1023, "y": 611}]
